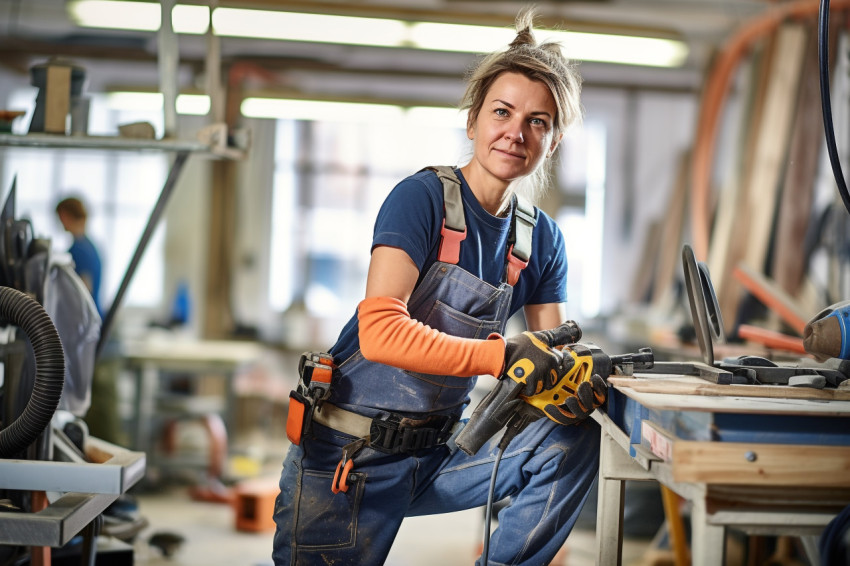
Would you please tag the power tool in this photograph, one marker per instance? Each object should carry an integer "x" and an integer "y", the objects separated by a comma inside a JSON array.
[
  {"x": 506, "y": 406},
  {"x": 826, "y": 335}
]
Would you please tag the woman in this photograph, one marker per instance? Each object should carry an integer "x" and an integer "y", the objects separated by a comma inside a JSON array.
[{"x": 450, "y": 263}]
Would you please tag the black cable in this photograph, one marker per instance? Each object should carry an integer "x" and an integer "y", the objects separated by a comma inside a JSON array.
[
  {"x": 829, "y": 132},
  {"x": 489, "y": 512},
  {"x": 514, "y": 427}
]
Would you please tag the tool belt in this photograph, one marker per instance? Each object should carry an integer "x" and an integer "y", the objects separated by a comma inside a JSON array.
[{"x": 392, "y": 434}]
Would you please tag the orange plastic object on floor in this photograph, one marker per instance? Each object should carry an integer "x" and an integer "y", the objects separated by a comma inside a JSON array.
[{"x": 253, "y": 502}]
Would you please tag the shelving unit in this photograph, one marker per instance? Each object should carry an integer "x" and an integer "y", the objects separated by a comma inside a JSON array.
[
  {"x": 116, "y": 143},
  {"x": 109, "y": 143},
  {"x": 84, "y": 489},
  {"x": 181, "y": 150}
]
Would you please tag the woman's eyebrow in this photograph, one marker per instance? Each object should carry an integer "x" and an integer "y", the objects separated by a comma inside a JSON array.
[{"x": 512, "y": 107}]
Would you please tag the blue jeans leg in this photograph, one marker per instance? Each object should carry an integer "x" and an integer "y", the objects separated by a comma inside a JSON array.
[
  {"x": 547, "y": 471},
  {"x": 356, "y": 527}
]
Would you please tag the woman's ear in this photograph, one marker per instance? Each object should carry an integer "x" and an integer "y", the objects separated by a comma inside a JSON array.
[{"x": 554, "y": 145}]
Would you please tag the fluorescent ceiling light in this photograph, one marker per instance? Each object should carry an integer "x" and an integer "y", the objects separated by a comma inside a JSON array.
[
  {"x": 347, "y": 30},
  {"x": 623, "y": 49},
  {"x": 190, "y": 104},
  {"x": 330, "y": 111},
  {"x": 598, "y": 47},
  {"x": 294, "y": 26},
  {"x": 437, "y": 116},
  {"x": 318, "y": 110},
  {"x": 140, "y": 16},
  {"x": 296, "y": 109},
  {"x": 459, "y": 37}
]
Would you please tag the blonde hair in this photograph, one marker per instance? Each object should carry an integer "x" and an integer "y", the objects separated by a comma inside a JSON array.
[{"x": 544, "y": 62}]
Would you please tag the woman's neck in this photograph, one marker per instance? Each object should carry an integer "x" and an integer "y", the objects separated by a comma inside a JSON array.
[{"x": 493, "y": 194}]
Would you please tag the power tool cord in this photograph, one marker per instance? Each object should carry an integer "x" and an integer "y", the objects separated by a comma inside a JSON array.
[
  {"x": 509, "y": 435},
  {"x": 826, "y": 107},
  {"x": 489, "y": 513}
]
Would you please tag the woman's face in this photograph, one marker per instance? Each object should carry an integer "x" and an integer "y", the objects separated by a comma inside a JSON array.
[{"x": 513, "y": 132}]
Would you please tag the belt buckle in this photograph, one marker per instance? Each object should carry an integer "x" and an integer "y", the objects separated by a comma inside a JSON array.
[
  {"x": 383, "y": 433},
  {"x": 394, "y": 435}
]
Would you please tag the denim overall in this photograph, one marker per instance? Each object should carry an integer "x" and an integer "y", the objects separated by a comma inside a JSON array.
[{"x": 547, "y": 470}]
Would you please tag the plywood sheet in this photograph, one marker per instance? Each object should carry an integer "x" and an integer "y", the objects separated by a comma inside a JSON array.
[{"x": 690, "y": 385}]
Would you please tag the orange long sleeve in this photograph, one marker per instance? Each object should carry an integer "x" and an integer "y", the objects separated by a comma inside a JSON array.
[{"x": 389, "y": 336}]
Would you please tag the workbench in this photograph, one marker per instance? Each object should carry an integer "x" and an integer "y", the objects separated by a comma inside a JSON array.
[
  {"x": 762, "y": 459},
  {"x": 150, "y": 361}
]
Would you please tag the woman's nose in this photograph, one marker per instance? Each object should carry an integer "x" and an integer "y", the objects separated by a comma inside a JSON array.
[{"x": 513, "y": 133}]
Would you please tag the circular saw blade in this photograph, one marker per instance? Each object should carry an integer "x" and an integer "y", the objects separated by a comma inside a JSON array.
[{"x": 705, "y": 310}]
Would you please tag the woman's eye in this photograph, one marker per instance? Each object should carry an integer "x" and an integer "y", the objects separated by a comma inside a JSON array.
[
  {"x": 501, "y": 112},
  {"x": 538, "y": 122}
]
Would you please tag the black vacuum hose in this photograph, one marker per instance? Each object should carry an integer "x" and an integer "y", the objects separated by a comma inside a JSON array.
[{"x": 26, "y": 313}]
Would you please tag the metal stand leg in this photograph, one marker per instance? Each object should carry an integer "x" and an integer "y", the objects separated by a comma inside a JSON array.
[
  {"x": 708, "y": 542},
  {"x": 88, "y": 554},
  {"x": 615, "y": 466},
  {"x": 609, "y": 510}
]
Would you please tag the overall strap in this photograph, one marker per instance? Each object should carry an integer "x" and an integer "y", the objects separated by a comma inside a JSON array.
[
  {"x": 523, "y": 221},
  {"x": 453, "y": 231}
]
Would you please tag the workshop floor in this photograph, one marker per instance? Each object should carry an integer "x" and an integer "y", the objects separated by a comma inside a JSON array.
[{"x": 212, "y": 540}]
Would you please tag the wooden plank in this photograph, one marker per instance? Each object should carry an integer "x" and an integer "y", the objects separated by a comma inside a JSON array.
[
  {"x": 773, "y": 135},
  {"x": 670, "y": 249},
  {"x": 765, "y": 496},
  {"x": 749, "y": 236},
  {"x": 737, "y": 404},
  {"x": 218, "y": 307},
  {"x": 795, "y": 207},
  {"x": 763, "y": 464},
  {"x": 657, "y": 440},
  {"x": 57, "y": 100},
  {"x": 729, "y": 229},
  {"x": 688, "y": 385}
]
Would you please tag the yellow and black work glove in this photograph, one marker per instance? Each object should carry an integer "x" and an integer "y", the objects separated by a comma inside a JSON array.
[
  {"x": 589, "y": 396},
  {"x": 533, "y": 363}
]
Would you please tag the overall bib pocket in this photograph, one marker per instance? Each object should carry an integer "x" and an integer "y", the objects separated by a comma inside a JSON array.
[{"x": 452, "y": 321}]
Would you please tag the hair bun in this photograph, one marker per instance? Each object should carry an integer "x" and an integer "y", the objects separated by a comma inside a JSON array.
[{"x": 524, "y": 27}]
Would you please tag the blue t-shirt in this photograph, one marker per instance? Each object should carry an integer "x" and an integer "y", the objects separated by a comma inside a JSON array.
[
  {"x": 87, "y": 265},
  {"x": 411, "y": 218}
]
